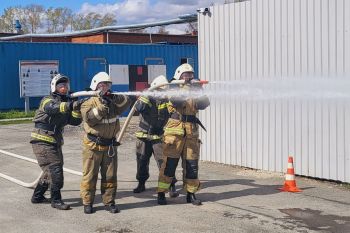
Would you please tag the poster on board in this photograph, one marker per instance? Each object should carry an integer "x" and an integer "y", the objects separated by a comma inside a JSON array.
[{"x": 35, "y": 77}]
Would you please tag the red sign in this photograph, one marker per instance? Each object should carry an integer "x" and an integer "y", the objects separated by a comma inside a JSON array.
[
  {"x": 140, "y": 86},
  {"x": 139, "y": 70}
]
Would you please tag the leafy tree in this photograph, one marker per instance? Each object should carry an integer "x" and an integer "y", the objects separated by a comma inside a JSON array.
[
  {"x": 108, "y": 20},
  {"x": 92, "y": 20},
  {"x": 9, "y": 16},
  {"x": 58, "y": 19},
  {"x": 34, "y": 15}
]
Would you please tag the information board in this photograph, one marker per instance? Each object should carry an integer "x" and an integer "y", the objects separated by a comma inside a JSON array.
[{"x": 35, "y": 77}]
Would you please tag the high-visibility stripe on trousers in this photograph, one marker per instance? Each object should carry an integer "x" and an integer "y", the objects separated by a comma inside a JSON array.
[{"x": 174, "y": 148}]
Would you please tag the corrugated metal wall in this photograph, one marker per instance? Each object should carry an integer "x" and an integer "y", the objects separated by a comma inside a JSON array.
[
  {"x": 71, "y": 62},
  {"x": 262, "y": 39}
]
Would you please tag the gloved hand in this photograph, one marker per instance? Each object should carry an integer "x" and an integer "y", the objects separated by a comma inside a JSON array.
[
  {"x": 77, "y": 104},
  {"x": 69, "y": 105},
  {"x": 105, "y": 97},
  {"x": 133, "y": 98},
  {"x": 73, "y": 99}
]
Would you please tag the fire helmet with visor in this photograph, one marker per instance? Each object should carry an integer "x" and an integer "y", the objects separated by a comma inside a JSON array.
[
  {"x": 160, "y": 82},
  {"x": 101, "y": 77},
  {"x": 184, "y": 68},
  {"x": 57, "y": 80}
]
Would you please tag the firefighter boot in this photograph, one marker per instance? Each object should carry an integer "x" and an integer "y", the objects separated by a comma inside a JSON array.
[
  {"x": 56, "y": 201},
  {"x": 88, "y": 209},
  {"x": 172, "y": 191},
  {"x": 38, "y": 195},
  {"x": 140, "y": 187},
  {"x": 161, "y": 198},
  {"x": 112, "y": 208},
  {"x": 191, "y": 198}
]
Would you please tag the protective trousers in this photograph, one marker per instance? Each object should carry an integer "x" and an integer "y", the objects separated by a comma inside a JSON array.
[
  {"x": 174, "y": 148},
  {"x": 93, "y": 161},
  {"x": 144, "y": 150},
  {"x": 50, "y": 160}
]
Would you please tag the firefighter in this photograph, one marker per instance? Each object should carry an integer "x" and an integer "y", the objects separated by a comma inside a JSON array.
[
  {"x": 101, "y": 124},
  {"x": 153, "y": 116},
  {"x": 55, "y": 111},
  {"x": 181, "y": 138}
]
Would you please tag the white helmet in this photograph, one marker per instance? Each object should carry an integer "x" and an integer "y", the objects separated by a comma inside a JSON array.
[
  {"x": 58, "y": 78},
  {"x": 182, "y": 69},
  {"x": 98, "y": 78},
  {"x": 160, "y": 80}
]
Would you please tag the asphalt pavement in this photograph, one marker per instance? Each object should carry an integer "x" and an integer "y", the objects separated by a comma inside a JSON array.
[{"x": 234, "y": 199}]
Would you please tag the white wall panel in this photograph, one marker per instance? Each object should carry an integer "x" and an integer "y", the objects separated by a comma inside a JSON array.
[
  {"x": 154, "y": 71},
  {"x": 119, "y": 74},
  {"x": 277, "y": 39}
]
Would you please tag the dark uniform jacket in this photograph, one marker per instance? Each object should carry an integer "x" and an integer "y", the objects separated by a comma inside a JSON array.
[
  {"x": 53, "y": 114},
  {"x": 153, "y": 117}
]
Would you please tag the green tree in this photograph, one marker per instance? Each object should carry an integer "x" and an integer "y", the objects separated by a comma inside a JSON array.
[
  {"x": 58, "y": 19},
  {"x": 107, "y": 20},
  {"x": 34, "y": 15},
  {"x": 92, "y": 20},
  {"x": 9, "y": 16}
]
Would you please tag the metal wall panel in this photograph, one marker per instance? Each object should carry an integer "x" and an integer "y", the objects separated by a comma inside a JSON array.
[
  {"x": 154, "y": 71},
  {"x": 80, "y": 62},
  {"x": 283, "y": 39}
]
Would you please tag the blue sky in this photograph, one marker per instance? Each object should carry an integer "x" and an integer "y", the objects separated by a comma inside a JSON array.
[
  {"x": 126, "y": 11},
  {"x": 72, "y": 4},
  {"x": 75, "y": 5}
]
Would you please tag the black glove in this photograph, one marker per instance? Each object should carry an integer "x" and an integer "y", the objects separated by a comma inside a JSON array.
[
  {"x": 133, "y": 98},
  {"x": 73, "y": 99},
  {"x": 69, "y": 105}
]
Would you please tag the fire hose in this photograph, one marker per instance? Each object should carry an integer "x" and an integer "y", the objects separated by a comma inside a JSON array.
[
  {"x": 32, "y": 184},
  {"x": 133, "y": 109},
  {"x": 120, "y": 136}
]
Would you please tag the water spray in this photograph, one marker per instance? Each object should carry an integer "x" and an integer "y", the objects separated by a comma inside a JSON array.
[
  {"x": 136, "y": 93},
  {"x": 133, "y": 109}
]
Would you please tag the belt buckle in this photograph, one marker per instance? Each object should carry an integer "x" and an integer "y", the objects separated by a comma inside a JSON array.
[{"x": 98, "y": 140}]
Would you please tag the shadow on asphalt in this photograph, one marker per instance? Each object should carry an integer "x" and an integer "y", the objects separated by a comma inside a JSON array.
[{"x": 252, "y": 189}]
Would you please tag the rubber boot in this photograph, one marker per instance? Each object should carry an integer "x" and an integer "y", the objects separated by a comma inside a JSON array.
[
  {"x": 112, "y": 208},
  {"x": 38, "y": 195},
  {"x": 191, "y": 198},
  {"x": 140, "y": 187},
  {"x": 56, "y": 201},
  {"x": 172, "y": 192},
  {"x": 161, "y": 199},
  {"x": 88, "y": 209}
]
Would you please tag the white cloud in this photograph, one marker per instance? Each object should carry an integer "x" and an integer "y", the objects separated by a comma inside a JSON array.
[{"x": 145, "y": 11}]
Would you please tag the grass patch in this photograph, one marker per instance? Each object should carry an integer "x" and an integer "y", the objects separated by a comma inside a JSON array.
[
  {"x": 16, "y": 114},
  {"x": 346, "y": 185},
  {"x": 9, "y": 122}
]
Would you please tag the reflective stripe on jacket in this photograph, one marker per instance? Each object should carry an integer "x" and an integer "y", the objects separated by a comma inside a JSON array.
[
  {"x": 102, "y": 120},
  {"x": 184, "y": 106},
  {"x": 51, "y": 117},
  {"x": 153, "y": 117}
]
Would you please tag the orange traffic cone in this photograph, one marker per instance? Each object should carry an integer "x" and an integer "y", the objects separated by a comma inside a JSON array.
[{"x": 289, "y": 183}]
